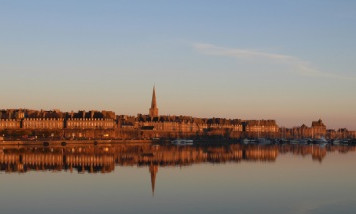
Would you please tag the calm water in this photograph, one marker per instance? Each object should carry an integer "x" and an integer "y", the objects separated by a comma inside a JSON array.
[{"x": 168, "y": 179}]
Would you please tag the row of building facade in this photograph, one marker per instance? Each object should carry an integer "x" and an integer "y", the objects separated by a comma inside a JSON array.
[
  {"x": 57, "y": 123},
  {"x": 172, "y": 126},
  {"x": 95, "y": 124}
]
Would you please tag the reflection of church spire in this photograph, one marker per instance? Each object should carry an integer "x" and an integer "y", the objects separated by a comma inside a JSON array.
[
  {"x": 153, "y": 171},
  {"x": 154, "y": 109}
]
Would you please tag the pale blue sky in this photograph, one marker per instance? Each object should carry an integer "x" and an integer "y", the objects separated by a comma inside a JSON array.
[{"x": 293, "y": 61}]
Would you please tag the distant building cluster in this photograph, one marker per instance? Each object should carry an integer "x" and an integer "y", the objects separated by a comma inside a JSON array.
[
  {"x": 106, "y": 124},
  {"x": 316, "y": 130},
  {"x": 32, "y": 119}
]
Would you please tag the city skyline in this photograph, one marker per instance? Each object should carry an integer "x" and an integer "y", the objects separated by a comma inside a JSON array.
[
  {"x": 152, "y": 113},
  {"x": 292, "y": 62},
  {"x": 177, "y": 106}
]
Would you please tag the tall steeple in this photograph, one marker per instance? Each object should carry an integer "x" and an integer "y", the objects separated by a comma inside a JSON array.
[{"x": 154, "y": 109}]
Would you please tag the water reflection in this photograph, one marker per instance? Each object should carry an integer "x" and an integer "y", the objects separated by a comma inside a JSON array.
[
  {"x": 261, "y": 170},
  {"x": 103, "y": 159}
]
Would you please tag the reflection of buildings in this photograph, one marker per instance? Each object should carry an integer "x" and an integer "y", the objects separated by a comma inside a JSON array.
[
  {"x": 153, "y": 172},
  {"x": 103, "y": 159}
]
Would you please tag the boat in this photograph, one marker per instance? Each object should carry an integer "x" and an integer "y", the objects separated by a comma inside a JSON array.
[
  {"x": 345, "y": 142},
  {"x": 303, "y": 142},
  {"x": 336, "y": 142},
  {"x": 323, "y": 144},
  {"x": 246, "y": 141},
  {"x": 263, "y": 141},
  {"x": 321, "y": 140},
  {"x": 283, "y": 141},
  {"x": 183, "y": 142},
  {"x": 294, "y": 141}
]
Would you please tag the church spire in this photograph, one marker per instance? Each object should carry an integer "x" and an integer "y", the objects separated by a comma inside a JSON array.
[
  {"x": 153, "y": 110},
  {"x": 154, "y": 102}
]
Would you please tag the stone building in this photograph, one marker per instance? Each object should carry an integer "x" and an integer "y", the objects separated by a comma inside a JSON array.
[
  {"x": 12, "y": 114},
  {"x": 318, "y": 129},
  {"x": 43, "y": 123},
  {"x": 353, "y": 134},
  {"x": 10, "y": 124},
  {"x": 90, "y": 120},
  {"x": 260, "y": 128},
  {"x": 90, "y": 123},
  {"x": 300, "y": 132},
  {"x": 172, "y": 126}
]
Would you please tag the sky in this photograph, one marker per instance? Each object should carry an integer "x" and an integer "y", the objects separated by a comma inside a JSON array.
[{"x": 293, "y": 61}]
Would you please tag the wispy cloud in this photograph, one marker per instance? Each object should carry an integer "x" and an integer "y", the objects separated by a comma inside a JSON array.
[{"x": 302, "y": 67}]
